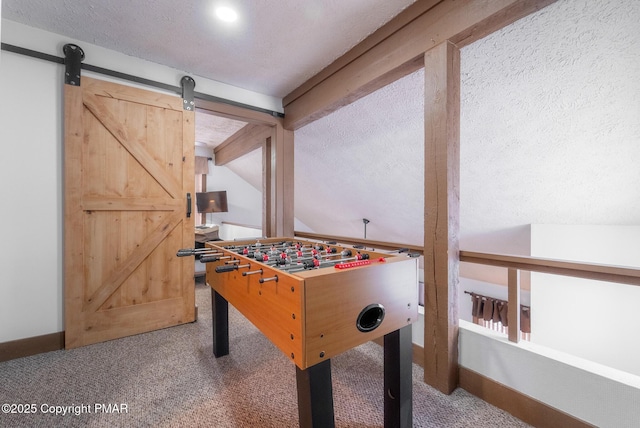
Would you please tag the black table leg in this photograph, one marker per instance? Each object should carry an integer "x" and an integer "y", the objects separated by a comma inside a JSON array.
[
  {"x": 315, "y": 396},
  {"x": 398, "y": 405},
  {"x": 220, "y": 315}
]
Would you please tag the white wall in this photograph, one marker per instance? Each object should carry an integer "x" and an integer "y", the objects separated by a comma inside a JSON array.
[
  {"x": 586, "y": 318},
  {"x": 244, "y": 201},
  {"x": 30, "y": 178},
  {"x": 602, "y": 396},
  {"x": 31, "y": 283}
]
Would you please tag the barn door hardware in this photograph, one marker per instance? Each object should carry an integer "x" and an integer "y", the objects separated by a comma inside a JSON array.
[
  {"x": 188, "y": 84},
  {"x": 73, "y": 56}
]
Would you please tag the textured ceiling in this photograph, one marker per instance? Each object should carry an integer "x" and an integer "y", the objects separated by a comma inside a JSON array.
[
  {"x": 211, "y": 130},
  {"x": 366, "y": 160},
  {"x": 275, "y": 46}
]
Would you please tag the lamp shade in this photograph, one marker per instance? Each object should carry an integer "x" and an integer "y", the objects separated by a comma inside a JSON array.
[{"x": 212, "y": 202}]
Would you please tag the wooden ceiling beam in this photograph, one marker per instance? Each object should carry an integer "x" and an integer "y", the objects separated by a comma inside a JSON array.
[
  {"x": 402, "y": 19},
  {"x": 235, "y": 112},
  {"x": 246, "y": 140},
  {"x": 397, "y": 49}
]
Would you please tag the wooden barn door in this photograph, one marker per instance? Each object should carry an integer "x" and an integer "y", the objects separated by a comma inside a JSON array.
[{"x": 128, "y": 165}]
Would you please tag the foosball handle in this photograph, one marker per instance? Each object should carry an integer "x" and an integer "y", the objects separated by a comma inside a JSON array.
[
  {"x": 226, "y": 268},
  {"x": 184, "y": 252},
  {"x": 208, "y": 259}
]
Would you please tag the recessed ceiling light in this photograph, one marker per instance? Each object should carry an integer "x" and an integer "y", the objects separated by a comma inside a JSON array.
[{"x": 226, "y": 14}]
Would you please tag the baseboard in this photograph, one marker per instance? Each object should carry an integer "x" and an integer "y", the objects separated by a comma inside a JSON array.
[
  {"x": 31, "y": 346},
  {"x": 521, "y": 406}
]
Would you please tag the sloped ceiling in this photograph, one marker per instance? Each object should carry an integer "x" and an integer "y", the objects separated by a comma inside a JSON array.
[
  {"x": 366, "y": 160},
  {"x": 211, "y": 130}
]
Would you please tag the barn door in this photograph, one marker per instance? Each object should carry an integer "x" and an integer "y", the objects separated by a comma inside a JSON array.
[{"x": 128, "y": 166}]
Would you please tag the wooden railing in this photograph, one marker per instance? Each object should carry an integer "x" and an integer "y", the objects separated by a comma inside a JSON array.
[{"x": 514, "y": 264}]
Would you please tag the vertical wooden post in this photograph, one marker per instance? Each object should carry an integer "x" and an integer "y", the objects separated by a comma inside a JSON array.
[
  {"x": 277, "y": 182},
  {"x": 284, "y": 195},
  {"x": 441, "y": 224},
  {"x": 268, "y": 187},
  {"x": 513, "y": 313}
]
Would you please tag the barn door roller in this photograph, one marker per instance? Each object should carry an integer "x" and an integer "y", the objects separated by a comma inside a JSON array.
[
  {"x": 73, "y": 56},
  {"x": 188, "y": 84}
]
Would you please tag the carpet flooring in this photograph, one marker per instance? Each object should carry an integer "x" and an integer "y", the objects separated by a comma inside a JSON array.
[{"x": 170, "y": 378}]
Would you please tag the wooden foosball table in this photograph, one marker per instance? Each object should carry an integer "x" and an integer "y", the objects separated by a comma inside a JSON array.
[{"x": 314, "y": 301}]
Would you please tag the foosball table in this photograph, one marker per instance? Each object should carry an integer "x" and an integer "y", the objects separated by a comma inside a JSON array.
[{"x": 313, "y": 301}]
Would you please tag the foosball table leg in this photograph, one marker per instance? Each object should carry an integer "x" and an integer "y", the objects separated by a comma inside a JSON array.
[
  {"x": 220, "y": 317},
  {"x": 315, "y": 396},
  {"x": 398, "y": 406}
]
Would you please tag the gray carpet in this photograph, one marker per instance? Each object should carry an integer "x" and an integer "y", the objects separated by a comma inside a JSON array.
[{"x": 170, "y": 378}]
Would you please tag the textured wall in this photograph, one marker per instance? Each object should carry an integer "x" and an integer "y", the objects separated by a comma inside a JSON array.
[
  {"x": 550, "y": 126},
  {"x": 365, "y": 161},
  {"x": 551, "y": 123}
]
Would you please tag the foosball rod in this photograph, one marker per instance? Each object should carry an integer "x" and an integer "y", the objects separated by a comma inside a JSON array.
[
  {"x": 279, "y": 245},
  {"x": 231, "y": 267},
  {"x": 275, "y": 262},
  {"x": 321, "y": 263},
  {"x": 256, "y": 245},
  {"x": 270, "y": 250},
  {"x": 208, "y": 258},
  {"x": 186, "y": 252}
]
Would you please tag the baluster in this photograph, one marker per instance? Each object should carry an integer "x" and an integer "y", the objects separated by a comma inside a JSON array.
[{"x": 513, "y": 316}]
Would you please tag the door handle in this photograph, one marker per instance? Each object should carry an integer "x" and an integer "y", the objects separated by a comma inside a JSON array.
[{"x": 188, "y": 205}]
